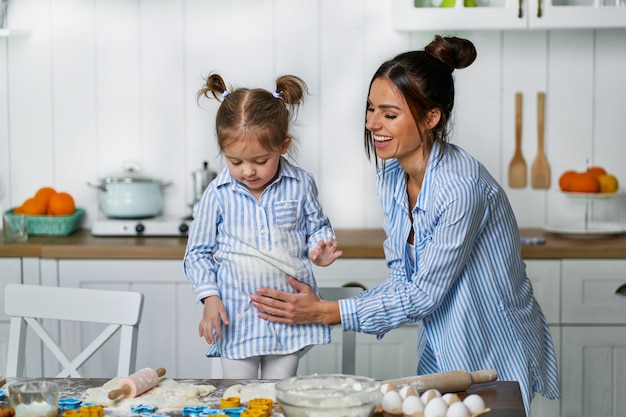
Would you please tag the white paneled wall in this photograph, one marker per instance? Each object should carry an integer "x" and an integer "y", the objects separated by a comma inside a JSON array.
[{"x": 100, "y": 82}]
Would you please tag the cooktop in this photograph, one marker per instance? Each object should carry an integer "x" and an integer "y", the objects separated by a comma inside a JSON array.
[{"x": 154, "y": 226}]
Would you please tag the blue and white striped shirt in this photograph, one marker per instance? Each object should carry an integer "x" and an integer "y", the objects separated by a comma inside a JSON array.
[
  {"x": 465, "y": 281},
  {"x": 237, "y": 244}
]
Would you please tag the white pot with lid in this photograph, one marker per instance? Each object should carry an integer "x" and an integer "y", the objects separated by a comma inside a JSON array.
[{"x": 130, "y": 196}]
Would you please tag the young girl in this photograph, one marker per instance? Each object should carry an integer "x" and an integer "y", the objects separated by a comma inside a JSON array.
[{"x": 258, "y": 222}]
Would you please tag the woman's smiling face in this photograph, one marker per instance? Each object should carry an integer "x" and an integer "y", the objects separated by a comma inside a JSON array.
[{"x": 390, "y": 120}]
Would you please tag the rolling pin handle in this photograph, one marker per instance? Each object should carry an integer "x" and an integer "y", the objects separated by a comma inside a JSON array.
[
  {"x": 116, "y": 393},
  {"x": 7, "y": 412},
  {"x": 483, "y": 376},
  {"x": 160, "y": 371}
]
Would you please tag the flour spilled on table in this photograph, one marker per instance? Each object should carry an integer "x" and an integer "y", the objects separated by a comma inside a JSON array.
[
  {"x": 167, "y": 395},
  {"x": 252, "y": 390}
]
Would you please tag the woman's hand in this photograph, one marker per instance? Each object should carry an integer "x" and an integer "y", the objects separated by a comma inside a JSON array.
[
  {"x": 214, "y": 312},
  {"x": 303, "y": 307},
  {"x": 325, "y": 253}
]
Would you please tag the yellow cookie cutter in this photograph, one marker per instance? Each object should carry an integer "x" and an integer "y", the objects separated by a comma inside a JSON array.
[{"x": 230, "y": 402}]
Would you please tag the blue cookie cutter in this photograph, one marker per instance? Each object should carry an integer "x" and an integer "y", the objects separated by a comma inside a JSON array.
[
  {"x": 190, "y": 410},
  {"x": 69, "y": 403},
  {"x": 143, "y": 409},
  {"x": 211, "y": 412},
  {"x": 234, "y": 411},
  {"x": 2, "y": 394}
]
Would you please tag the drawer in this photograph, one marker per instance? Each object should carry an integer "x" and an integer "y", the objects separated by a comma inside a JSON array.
[
  {"x": 545, "y": 277},
  {"x": 589, "y": 292},
  {"x": 363, "y": 272}
]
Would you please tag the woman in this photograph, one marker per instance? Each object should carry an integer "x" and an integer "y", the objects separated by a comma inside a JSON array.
[{"x": 453, "y": 245}]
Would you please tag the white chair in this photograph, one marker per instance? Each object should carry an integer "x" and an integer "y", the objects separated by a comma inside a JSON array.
[
  {"x": 27, "y": 304},
  {"x": 348, "y": 342}
]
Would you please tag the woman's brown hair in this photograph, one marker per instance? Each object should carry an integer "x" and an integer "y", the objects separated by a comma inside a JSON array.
[{"x": 424, "y": 78}]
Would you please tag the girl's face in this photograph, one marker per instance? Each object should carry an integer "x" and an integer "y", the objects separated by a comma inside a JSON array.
[
  {"x": 251, "y": 164},
  {"x": 390, "y": 120}
]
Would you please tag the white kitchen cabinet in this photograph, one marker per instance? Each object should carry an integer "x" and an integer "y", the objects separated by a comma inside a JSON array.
[
  {"x": 414, "y": 15},
  {"x": 545, "y": 276},
  {"x": 594, "y": 338},
  {"x": 168, "y": 330},
  {"x": 18, "y": 271},
  {"x": 595, "y": 374},
  {"x": 170, "y": 307},
  {"x": 10, "y": 273},
  {"x": 393, "y": 356}
]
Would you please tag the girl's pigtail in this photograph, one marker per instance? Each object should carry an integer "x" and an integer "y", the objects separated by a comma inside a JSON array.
[
  {"x": 290, "y": 89},
  {"x": 215, "y": 85}
]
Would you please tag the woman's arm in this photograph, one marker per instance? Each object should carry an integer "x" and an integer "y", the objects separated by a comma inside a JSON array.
[{"x": 303, "y": 307}]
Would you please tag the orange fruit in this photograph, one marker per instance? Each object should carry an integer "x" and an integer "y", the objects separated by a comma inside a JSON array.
[
  {"x": 564, "y": 180},
  {"x": 18, "y": 210},
  {"x": 608, "y": 183},
  {"x": 61, "y": 204},
  {"x": 596, "y": 171},
  {"x": 44, "y": 194},
  {"x": 584, "y": 182},
  {"x": 34, "y": 207}
]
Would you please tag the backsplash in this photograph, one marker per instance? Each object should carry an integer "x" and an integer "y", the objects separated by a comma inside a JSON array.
[{"x": 101, "y": 82}]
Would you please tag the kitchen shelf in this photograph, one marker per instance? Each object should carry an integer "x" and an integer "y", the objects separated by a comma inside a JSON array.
[
  {"x": 419, "y": 15},
  {"x": 9, "y": 33}
]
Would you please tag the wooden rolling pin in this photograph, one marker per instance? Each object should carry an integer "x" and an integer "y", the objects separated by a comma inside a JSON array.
[
  {"x": 3, "y": 381},
  {"x": 7, "y": 412},
  {"x": 137, "y": 383},
  {"x": 452, "y": 381}
]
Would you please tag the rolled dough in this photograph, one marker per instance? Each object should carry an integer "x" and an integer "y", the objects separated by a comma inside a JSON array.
[
  {"x": 167, "y": 395},
  {"x": 251, "y": 390}
]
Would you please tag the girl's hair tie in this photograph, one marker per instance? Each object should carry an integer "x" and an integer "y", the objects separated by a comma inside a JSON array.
[
  {"x": 225, "y": 93},
  {"x": 276, "y": 94}
]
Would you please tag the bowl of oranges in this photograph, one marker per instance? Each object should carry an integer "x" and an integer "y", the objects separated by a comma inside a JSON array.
[
  {"x": 50, "y": 213},
  {"x": 595, "y": 181}
]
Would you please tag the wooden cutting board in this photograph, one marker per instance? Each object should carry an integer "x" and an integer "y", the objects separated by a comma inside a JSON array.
[{"x": 540, "y": 171}]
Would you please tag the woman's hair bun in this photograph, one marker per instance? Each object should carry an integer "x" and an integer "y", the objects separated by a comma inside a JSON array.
[{"x": 453, "y": 52}]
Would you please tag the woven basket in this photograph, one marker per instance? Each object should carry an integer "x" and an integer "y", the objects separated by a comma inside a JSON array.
[{"x": 53, "y": 225}]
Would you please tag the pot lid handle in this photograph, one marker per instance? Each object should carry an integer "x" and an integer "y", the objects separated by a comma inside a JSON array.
[{"x": 131, "y": 166}]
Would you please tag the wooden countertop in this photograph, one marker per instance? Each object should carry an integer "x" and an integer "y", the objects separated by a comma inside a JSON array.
[
  {"x": 502, "y": 397},
  {"x": 355, "y": 243}
]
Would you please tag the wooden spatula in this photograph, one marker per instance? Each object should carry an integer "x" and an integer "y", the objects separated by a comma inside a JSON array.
[
  {"x": 540, "y": 171},
  {"x": 517, "y": 167}
]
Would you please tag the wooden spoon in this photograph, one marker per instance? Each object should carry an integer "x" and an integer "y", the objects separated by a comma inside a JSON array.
[
  {"x": 540, "y": 171},
  {"x": 517, "y": 167}
]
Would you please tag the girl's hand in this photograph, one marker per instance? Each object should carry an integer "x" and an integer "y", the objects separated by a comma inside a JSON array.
[
  {"x": 325, "y": 253},
  {"x": 303, "y": 307},
  {"x": 214, "y": 312}
]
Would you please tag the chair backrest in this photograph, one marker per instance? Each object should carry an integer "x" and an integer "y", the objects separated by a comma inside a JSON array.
[
  {"x": 27, "y": 304},
  {"x": 348, "y": 342}
]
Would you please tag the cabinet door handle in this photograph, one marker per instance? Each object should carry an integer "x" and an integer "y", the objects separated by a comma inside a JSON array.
[
  {"x": 519, "y": 9},
  {"x": 363, "y": 287},
  {"x": 539, "y": 8},
  {"x": 621, "y": 290}
]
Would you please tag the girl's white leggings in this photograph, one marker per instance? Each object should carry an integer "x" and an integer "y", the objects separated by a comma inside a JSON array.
[{"x": 271, "y": 367}]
